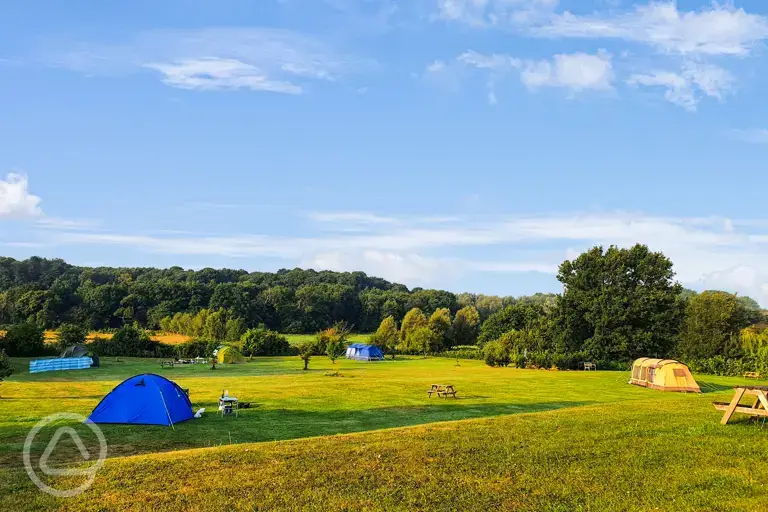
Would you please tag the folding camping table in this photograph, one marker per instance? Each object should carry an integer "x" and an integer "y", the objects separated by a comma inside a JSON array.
[
  {"x": 230, "y": 403},
  {"x": 759, "y": 405}
]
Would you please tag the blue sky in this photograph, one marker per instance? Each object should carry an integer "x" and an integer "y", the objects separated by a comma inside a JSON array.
[{"x": 470, "y": 145}]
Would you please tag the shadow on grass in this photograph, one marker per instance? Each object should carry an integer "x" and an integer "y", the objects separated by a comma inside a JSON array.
[
  {"x": 257, "y": 424},
  {"x": 710, "y": 387}
]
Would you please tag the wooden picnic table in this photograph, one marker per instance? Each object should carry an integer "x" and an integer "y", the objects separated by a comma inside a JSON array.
[
  {"x": 758, "y": 408},
  {"x": 442, "y": 390},
  {"x": 166, "y": 363}
]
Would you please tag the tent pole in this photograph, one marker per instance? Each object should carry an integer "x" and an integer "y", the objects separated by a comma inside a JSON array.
[{"x": 165, "y": 406}]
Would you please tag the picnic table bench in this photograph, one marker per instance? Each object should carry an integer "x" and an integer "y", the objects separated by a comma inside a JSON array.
[
  {"x": 590, "y": 366},
  {"x": 166, "y": 363},
  {"x": 751, "y": 375},
  {"x": 758, "y": 408},
  {"x": 442, "y": 390}
]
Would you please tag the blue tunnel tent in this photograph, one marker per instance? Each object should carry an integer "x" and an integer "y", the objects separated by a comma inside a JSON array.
[
  {"x": 146, "y": 399},
  {"x": 362, "y": 352}
]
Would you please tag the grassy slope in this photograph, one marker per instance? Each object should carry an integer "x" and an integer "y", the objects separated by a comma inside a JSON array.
[
  {"x": 551, "y": 456},
  {"x": 651, "y": 455},
  {"x": 289, "y": 403}
]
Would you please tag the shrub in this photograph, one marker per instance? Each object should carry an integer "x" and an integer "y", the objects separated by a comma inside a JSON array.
[
  {"x": 24, "y": 340},
  {"x": 263, "y": 342},
  {"x": 473, "y": 352},
  {"x": 496, "y": 353},
  {"x": 5, "y": 365},
  {"x": 196, "y": 348},
  {"x": 305, "y": 353}
]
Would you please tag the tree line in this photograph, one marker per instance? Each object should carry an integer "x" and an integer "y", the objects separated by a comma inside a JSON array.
[
  {"x": 50, "y": 292},
  {"x": 617, "y": 304}
]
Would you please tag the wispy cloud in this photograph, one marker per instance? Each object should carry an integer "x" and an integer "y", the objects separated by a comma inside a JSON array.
[
  {"x": 704, "y": 250},
  {"x": 258, "y": 59},
  {"x": 718, "y": 30},
  {"x": 56, "y": 223},
  {"x": 352, "y": 218},
  {"x": 485, "y": 13},
  {"x": 686, "y": 42},
  {"x": 687, "y": 88},
  {"x": 15, "y": 199},
  {"x": 574, "y": 72}
]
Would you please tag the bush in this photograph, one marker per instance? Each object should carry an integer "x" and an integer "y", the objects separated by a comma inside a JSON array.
[
  {"x": 473, "y": 352},
  {"x": 263, "y": 342},
  {"x": 5, "y": 365},
  {"x": 539, "y": 359},
  {"x": 24, "y": 340},
  {"x": 496, "y": 353},
  {"x": 196, "y": 348}
]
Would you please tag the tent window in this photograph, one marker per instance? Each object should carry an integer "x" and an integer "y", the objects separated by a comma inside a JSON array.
[
  {"x": 679, "y": 372},
  {"x": 642, "y": 373}
]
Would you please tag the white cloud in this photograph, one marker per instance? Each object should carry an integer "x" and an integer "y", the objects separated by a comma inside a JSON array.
[
  {"x": 688, "y": 87},
  {"x": 576, "y": 71},
  {"x": 479, "y": 13},
  {"x": 398, "y": 267},
  {"x": 495, "y": 62},
  {"x": 352, "y": 218},
  {"x": 706, "y": 251},
  {"x": 220, "y": 74},
  {"x": 15, "y": 199},
  {"x": 718, "y": 30},
  {"x": 753, "y": 136},
  {"x": 258, "y": 59}
]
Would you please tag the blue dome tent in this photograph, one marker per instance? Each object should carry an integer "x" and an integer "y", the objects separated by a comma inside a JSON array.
[
  {"x": 362, "y": 352},
  {"x": 146, "y": 399}
]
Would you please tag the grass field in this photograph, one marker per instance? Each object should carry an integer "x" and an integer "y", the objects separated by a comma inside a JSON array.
[{"x": 526, "y": 439}]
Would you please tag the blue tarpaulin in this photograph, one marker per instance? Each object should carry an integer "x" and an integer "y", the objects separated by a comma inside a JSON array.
[
  {"x": 62, "y": 363},
  {"x": 362, "y": 352},
  {"x": 146, "y": 399}
]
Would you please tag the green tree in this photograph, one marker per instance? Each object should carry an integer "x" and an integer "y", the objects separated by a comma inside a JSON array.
[
  {"x": 305, "y": 353},
  {"x": 387, "y": 336},
  {"x": 70, "y": 334},
  {"x": 5, "y": 366},
  {"x": 713, "y": 320},
  {"x": 465, "y": 326},
  {"x": 413, "y": 320},
  {"x": 523, "y": 315},
  {"x": 423, "y": 340},
  {"x": 335, "y": 349},
  {"x": 235, "y": 328},
  {"x": 23, "y": 340},
  {"x": 440, "y": 323},
  {"x": 618, "y": 304},
  {"x": 752, "y": 309},
  {"x": 264, "y": 342}
]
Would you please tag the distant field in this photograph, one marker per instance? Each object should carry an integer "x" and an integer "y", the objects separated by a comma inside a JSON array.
[
  {"x": 170, "y": 339},
  {"x": 295, "y": 339},
  {"x": 527, "y": 440},
  {"x": 175, "y": 339}
]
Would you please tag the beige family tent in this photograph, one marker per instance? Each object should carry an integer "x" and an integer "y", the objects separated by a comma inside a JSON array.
[{"x": 663, "y": 374}]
